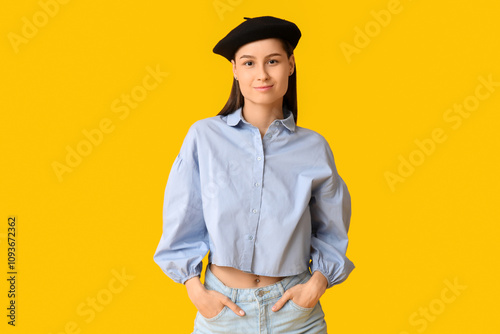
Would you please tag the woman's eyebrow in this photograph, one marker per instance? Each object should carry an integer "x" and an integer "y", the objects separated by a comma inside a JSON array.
[
  {"x": 269, "y": 55},
  {"x": 274, "y": 55}
]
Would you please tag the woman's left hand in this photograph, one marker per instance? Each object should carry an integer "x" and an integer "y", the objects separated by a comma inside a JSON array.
[{"x": 305, "y": 295}]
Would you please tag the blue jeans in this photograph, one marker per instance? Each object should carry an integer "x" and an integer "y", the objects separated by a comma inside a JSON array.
[{"x": 257, "y": 303}]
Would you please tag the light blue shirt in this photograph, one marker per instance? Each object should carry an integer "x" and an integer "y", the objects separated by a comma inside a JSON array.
[{"x": 262, "y": 205}]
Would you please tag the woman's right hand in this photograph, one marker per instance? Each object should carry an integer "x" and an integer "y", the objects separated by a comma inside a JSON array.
[{"x": 209, "y": 302}]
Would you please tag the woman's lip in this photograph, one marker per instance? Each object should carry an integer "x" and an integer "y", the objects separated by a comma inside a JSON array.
[{"x": 263, "y": 87}]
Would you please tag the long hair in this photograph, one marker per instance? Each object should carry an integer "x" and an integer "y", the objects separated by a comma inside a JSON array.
[{"x": 236, "y": 99}]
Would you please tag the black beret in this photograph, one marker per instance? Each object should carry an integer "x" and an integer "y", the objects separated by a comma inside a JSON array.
[{"x": 254, "y": 29}]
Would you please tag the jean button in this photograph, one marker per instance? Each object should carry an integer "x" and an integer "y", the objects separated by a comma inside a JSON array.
[{"x": 262, "y": 293}]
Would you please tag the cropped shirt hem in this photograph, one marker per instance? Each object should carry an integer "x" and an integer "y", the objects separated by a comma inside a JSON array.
[{"x": 262, "y": 273}]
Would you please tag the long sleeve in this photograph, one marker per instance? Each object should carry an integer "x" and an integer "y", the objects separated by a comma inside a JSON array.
[
  {"x": 330, "y": 208},
  {"x": 184, "y": 242}
]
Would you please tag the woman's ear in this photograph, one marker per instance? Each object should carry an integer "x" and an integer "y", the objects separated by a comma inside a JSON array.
[
  {"x": 291, "y": 61},
  {"x": 234, "y": 69}
]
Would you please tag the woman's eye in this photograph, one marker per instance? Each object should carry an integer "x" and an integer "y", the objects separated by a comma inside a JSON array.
[
  {"x": 273, "y": 61},
  {"x": 248, "y": 63}
]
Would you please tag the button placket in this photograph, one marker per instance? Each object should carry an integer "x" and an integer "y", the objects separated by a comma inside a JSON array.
[
  {"x": 273, "y": 129},
  {"x": 256, "y": 198}
]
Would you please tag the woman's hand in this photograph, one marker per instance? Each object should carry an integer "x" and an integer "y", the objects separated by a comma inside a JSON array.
[
  {"x": 208, "y": 302},
  {"x": 305, "y": 295}
]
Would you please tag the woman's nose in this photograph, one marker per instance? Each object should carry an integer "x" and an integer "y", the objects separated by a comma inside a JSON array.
[{"x": 262, "y": 73}]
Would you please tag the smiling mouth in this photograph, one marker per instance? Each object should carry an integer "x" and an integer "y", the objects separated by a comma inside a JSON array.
[{"x": 264, "y": 87}]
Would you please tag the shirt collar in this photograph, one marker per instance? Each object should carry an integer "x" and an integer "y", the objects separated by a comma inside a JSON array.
[{"x": 288, "y": 121}]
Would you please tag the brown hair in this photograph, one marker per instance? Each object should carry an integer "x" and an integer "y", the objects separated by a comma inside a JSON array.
[{"x": 236, "y": 99}]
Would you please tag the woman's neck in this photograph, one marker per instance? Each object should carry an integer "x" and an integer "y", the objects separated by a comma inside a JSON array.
[{"x": 262, "y": 115}]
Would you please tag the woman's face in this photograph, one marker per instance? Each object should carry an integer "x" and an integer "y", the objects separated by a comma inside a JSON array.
[{"x": 262, "y": 69}]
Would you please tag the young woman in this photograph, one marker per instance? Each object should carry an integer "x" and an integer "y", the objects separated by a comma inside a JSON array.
[{"x": 261, "y": 195}]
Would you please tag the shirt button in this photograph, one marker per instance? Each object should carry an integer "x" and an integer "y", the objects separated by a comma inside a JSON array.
[
  {"x": 276, "y": 122},
  {"x": 259, "y": 158},
  {"x": 254, "y": 211},
  {"x": 250, "y": 237},
  {"x": 257, "y": 184},
  {"x": 268, "y": 135}
]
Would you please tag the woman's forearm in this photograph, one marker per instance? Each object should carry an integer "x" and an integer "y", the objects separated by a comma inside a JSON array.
[{"x": 194, "y": 287}]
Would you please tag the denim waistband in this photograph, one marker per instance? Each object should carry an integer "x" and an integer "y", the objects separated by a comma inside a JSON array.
[{"x": 251, "y": 294}]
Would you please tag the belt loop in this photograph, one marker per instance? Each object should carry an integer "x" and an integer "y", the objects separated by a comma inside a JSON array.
[
  {"x": 281, "y": 287},
  {"x": 286, "y": 282},
  {"x": 234, "y": 293}
]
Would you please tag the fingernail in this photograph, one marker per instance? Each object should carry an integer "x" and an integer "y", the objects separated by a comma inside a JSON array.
[
  {"x": 242, "y": 312},
  {"x": 273, "y": 308}
]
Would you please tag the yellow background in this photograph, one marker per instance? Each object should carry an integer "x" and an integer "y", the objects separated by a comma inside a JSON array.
[{"x": 440, "y": 225}]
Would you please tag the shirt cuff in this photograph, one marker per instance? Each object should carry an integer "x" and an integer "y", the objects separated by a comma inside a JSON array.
[{"x": 337, "y": 275}]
